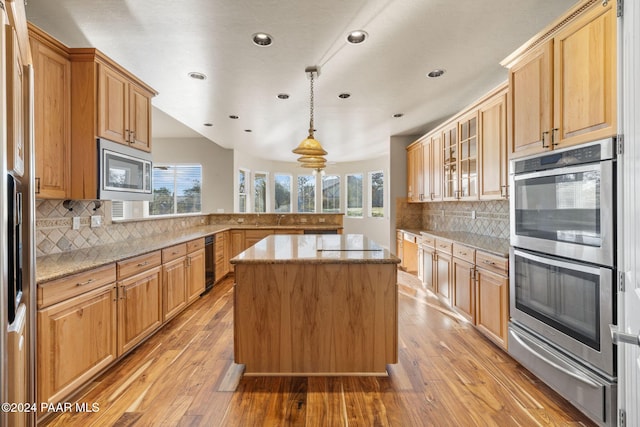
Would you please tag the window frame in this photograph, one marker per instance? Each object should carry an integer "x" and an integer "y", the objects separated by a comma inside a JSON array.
[
  {"x": 267, "y": 193},
  {"x": 246, "y": 194},
  {"x": 176, "y": 167},
  {"x": 346, "y": 203},
  {"x": 370, "y": 192},
  {"x": 339, "y": 193},
  {"x": 315, "y": 193},
  {"x": 275, "y": 181}
]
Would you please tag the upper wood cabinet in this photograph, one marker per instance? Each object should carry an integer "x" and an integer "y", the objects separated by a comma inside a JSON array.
[
  {"x": 124, "y": 109},
  {"x": 493, "y": 171},
  {"x": 563, "y": 82},
  {"x": 468, "y": 156},
  {"x": 450, "y": 161},
  {"x": 109, "y": 102},
  {"x": 415, "y": 190},
  {"x": 15, "y": 103},
  {"x": 52, "y": 115}
]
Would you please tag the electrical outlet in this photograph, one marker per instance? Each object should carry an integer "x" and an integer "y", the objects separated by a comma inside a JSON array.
[
  {"x": 76, "y": 223},
  {"x": 240, "y": 220},
  {"x": 473, "y": 214},
  {"x": 303, "y": 220},
  {"x": 320, "y": 219},
  {"x": 96, "y": 221}
]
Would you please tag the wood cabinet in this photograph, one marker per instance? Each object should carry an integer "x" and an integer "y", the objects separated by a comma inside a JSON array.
[
  {"x": 195, "y": 274},
  {"x": 562, "y": 84},
  {"x": 442, "y": 268},
  {"x": 139, "y": 299},
  {"x": 76, "y": 333},
  {"x": 251, "y": 237},
  {"x": 463, "y": 281},
  {"x": 15, "y": 93},
  {"x": 493, "y": 171},
  {"x": 52, "y": 115},
  {"x": 415, "y": 190},
  {"x": 410, "y": 253},
  {"x": 174, "y": 287},
  {"x": 109, "y": 102},
  {"x": 434, "y": 165},
  {"x": 468, "y": 156},
  {"x": 492, "y": 297},
  {"x": 219, "y": 256},
  {"x": 400, "y": 247},
  {"x": 429, "y": 265},
  {"x": 449, "y": 162},
  {"x": 124, "y": 109}
]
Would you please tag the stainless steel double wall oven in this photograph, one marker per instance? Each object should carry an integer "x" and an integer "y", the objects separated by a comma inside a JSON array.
[{"x": 563, "y": 297}]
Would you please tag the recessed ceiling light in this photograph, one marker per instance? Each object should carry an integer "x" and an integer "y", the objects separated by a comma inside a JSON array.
[
  {"x": 262, "y": 39},
  {"x": 398, "y": 115},
  {"x": 283, "y": 96},
  {"x": 436, "y": 73},
  {"x": 233, "y": 116},
  {"x": 208, "y": 124},
  {"x": 357, "y": 37},
  {"x": 248, "y": 130},
  {"x": 344, "y": 95},
  {"x": 197, "y": 76}
]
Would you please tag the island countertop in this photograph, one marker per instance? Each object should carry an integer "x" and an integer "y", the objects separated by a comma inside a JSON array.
[{"x": 316, "y": 249}]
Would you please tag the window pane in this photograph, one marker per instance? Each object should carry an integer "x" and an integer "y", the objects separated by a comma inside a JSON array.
[
  {"x": 260, "y": 192},
  {"x": 163, "y": 190},
  {"x": 242, "y": 191},
  {"x": 242, "y": 203},
  {"x": 188, "y": 192},
  {"x": 282, "y": 193},
  {"x": 306, "y": 193},
  {"x": 331, "y": 193},
  {"x": 354, "y": 195},
  {"x": 242, "y": 182},
  {"x": 376, "y": 180}
]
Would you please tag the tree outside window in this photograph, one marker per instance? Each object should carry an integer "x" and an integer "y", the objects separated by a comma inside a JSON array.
[
  {"x": 376, "y": 200},
  {"x": 331, "y": 194},
  {"x": 306, "y": 193},
  {"x": 354, "y": 195},
  {"x": 260, "y": 192},
  {"x": 176, "y": 190},
  {"x": 242, "y": 190},
  {"x": 282, "y": 193}
]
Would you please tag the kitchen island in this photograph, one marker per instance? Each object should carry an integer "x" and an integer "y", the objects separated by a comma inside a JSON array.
[{"x": 315, "y": 305}]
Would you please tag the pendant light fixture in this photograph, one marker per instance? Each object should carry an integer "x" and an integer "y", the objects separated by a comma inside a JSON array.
[{"x": 310, "y": 149}]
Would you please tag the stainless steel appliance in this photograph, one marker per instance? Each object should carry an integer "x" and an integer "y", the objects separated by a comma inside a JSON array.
[
  {"x": 563, "y": 203},
  {"x": 125, "y": 172},
  {"x": 562, "y": 270}
]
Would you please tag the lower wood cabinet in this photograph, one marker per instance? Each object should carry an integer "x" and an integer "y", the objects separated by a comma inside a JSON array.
[
  {"x": 442, "y": 280},
  {"x": 139, "y": 307},
  {"x": 492, "y": 306},
  {"x": 174, "y": 289},
  {"x": 76, "y": 340},
  {"x": 463, "y": 279},
  {"x": 195, "y": 274}
]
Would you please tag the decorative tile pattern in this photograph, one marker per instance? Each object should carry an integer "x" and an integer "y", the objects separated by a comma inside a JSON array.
[{"x": 492, "y": 217}]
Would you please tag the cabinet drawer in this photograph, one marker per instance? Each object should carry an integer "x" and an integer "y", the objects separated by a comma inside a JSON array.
[
  {"x": 138, "y": 264},
  {"x": 429, "y": 241},
  {"x": 174, "y": 252},
  {"x": 493, "y": 263},
  {"x": 257, "y": 234},
  {"x": 194, "y": 245},
  {"x": 73, "y": 285},
  {"x": 464, "y": 252},
  {"x": 444, "y": 246}
]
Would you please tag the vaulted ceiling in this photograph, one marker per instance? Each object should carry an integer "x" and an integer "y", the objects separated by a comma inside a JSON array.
[{"x": 162, "y": 41}]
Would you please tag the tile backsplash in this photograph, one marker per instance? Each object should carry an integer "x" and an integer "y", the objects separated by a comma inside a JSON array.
[
  {"x": 491, "y": 217},
  {"x": 55, "y": 233}
]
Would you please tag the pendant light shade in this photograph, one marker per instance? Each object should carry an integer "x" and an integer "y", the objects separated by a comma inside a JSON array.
[
  {"x": 310, "y": 147},
  {"x": 311, "y": 159}
]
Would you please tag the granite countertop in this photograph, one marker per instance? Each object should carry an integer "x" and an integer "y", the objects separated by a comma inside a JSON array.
[
  {"x": 55, "y": 266},
  {"x": 492, "y": 245},
  {"x": 316, "y": 249}
]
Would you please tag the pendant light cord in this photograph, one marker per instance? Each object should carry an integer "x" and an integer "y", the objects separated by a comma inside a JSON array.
[{"x": 311, "y": 108}]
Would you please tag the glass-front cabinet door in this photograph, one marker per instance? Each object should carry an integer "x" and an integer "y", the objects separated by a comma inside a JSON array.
[
  {"x": 450, "y": 162},
  {"x": 468, "y": 151}
]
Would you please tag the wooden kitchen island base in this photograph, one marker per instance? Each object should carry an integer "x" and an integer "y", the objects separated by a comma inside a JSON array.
[{"x": 333, "y": 313}]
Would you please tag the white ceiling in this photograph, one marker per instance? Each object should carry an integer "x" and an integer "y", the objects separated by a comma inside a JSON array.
[{"x": 161, "y": 41}]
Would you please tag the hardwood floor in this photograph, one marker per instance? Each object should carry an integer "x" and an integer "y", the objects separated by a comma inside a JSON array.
[{"x": 448, "y": 375}]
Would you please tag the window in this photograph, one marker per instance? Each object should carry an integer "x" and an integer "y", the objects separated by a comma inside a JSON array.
[
  {"x": 376, "y": 199},
  {"x": 282, "y": 193},
  {"x": 306, "y": 193},
  {"x": 176, "y": 190},
  {"x": 331, "y": 193},
  {"x": 260, "y": 180},
  {"x": 354, "y": 195},
  {"x": 242, "y": 190}
]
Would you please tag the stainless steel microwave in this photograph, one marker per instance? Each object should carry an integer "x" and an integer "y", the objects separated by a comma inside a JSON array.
[{"x": 125, "y": 172}]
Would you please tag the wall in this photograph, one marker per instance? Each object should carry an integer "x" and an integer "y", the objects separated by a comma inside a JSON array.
[
  {"x": 217, "y": 167},
  {"x": 377, "y": 229},
  {"x": 398, "y": 181}
]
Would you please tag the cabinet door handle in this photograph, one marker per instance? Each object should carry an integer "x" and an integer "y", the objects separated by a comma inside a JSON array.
[
  {"x": 553, "y": 136},
  {"x": 142, "y": 264},
  {"x": 127, "y": 136},
  {"x": 486, "y": 261},
  {"x": 85, "y": 283},
  {"x": 542, "y": 137},
  {"x": 463, "y": 253},
  {"x": 132, "y": 136},
  {"x": 37, "y": 185}
]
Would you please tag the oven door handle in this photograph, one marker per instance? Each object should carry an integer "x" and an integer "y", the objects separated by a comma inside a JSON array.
[
  {"x": 557, "y": 263},
  {"x": 561, "y": 171},
  {"x": 582, "y": 379}
]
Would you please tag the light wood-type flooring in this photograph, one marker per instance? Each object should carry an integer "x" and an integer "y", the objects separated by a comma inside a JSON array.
[{"x": 448, "y": 375}]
